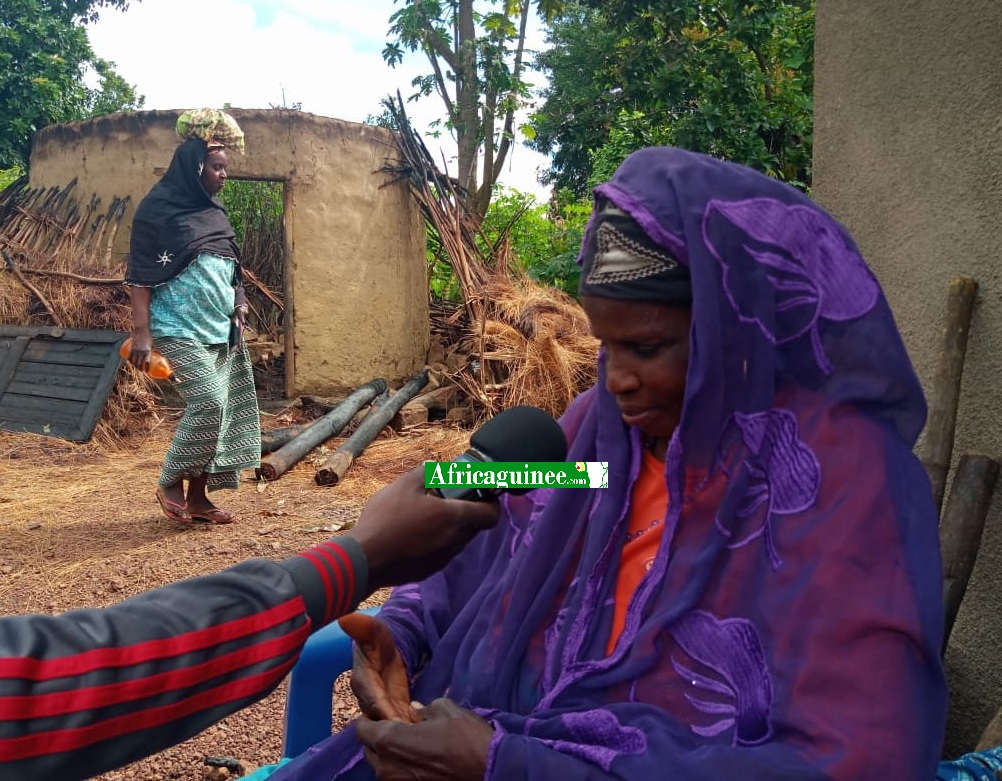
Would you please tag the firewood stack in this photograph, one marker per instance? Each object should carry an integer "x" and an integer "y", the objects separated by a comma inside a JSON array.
[{"x": 510, "y": 340}]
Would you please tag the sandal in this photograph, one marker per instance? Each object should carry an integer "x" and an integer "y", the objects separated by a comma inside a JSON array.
[
  {"x": 173, "y": 510},
  {"x": 215, "y": 515}
]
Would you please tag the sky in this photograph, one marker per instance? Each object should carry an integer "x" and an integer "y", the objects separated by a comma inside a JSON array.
[{"x": 322, "y": 54}]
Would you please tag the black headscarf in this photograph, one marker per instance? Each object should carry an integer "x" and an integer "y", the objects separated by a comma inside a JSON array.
[{"x": 176, "y": 221}]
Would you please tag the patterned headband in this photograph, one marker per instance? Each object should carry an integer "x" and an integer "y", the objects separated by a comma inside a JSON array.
[{"x": 621, "y": 261}]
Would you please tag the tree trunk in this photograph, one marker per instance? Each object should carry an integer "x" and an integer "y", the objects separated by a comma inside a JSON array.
[
  {"x": 278, "y": 463},
  {"x": 335, "y": 467}
]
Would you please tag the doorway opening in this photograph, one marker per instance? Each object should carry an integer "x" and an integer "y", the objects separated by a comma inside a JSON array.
[{"x": 256, "y": 208}]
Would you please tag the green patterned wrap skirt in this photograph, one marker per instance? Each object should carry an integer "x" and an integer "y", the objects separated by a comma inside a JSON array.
[{"x": 220, "y": 431}]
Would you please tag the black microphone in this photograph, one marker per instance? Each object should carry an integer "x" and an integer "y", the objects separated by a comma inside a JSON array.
[{"x": 521, "y": 433}]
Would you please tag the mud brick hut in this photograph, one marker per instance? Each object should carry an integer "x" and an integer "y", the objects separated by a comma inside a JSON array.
[{"x": 355, "y": 290}]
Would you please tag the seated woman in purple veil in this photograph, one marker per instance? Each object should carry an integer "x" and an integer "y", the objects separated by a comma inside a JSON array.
[{"x": 756, "y": 595}]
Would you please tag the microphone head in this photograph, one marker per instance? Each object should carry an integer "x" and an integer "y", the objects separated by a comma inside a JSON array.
[{"x": 521, "y": 433}]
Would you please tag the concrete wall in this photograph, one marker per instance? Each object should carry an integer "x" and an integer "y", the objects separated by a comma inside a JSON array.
[
  {"x": 356, "y": 289},
  {"x": 908, "y": 154}
]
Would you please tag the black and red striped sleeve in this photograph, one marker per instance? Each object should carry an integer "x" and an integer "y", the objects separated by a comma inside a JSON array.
[{"x": 91, "y": 690}]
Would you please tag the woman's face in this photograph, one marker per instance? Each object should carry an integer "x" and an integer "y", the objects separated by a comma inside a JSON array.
[
  {"x": 646, "y": 357},
  {"x": 214, "y": 171}
]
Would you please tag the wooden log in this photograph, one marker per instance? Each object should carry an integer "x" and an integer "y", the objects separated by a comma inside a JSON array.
[
  {"x": 961, "y": 527},
  {"x": 275, "y": 438},
  {"x": 945, "y": 393},
  {"x": 119, "y": 206},
  {"x": 411, "y": 414},
  {"x": 440, "y": 399},
  {"x": 276, "y": 464},
  {"x": 334, "y": 468}
]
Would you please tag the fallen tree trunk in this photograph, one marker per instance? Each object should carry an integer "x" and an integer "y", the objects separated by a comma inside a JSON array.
[
  {"x": 335, "y": 467},
  {"x": 278, "y": 463},
  {"x": 276, "y": 438}
]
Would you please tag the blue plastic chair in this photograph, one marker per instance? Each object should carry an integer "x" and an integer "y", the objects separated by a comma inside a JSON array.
[{"x": 326, "y": 655}]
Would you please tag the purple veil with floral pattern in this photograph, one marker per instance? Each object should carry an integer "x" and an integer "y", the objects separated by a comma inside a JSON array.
[{"x": 790, "y": 626}]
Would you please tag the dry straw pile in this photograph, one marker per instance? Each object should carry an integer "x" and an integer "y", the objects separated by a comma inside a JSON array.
[{"x": 55, "y": 251}]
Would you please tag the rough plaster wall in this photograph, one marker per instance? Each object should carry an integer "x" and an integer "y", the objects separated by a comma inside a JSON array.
[
  {"x": 908, "y": 154},
  {"x": 341, "y": 212},
  {"x": 355, "y": 274}
]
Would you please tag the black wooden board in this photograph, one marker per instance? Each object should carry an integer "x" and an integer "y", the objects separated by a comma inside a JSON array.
[{"x": 55, "y": 381}]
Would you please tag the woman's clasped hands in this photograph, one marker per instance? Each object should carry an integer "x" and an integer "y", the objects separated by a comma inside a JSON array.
[{"x": 404, "y": 740}]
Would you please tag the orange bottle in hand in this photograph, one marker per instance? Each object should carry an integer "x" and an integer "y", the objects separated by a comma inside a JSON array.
[{"x": 159, "y": 367}]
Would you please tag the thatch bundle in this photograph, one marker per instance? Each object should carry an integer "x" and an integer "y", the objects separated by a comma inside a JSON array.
[{"x": 532, "y": 345}]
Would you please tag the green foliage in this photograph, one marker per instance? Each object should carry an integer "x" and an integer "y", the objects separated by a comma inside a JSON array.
[
  {"x": 250, "y": 203},
  {"x": 256, "y": 210},
  {"x": 442, "y": 281},
  {"x": 732, "y": 78},
  {"x": 476, "y": 51},
  {"x": 9, "y": 176},
  {"x": 543, "y": 240},
  {"x": 383, "y": 119},
  {"x": 45, "y": 56},
  {"x": 631, "y": 131}
]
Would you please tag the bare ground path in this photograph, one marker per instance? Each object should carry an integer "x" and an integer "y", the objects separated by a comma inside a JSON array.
[{"x": 79, "y": 527}]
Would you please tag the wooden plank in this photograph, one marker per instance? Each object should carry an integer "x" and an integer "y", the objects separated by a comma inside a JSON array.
[
  {"x": 69, "y": 334},
  {"x": 961, "y": 528},
  {"x": 51, "y": 391},
  {"x": 66, "y": 354},
  {"x": 14, "y": 349},
  {"x": 944, "y": 395},
  {"x": 54, "y": 374},
  {"x": 27, "y": 408},
  {"x": 100, "y": 395}
]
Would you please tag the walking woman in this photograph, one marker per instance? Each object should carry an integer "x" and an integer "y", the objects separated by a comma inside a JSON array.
[{"x": 188, "y": 300}]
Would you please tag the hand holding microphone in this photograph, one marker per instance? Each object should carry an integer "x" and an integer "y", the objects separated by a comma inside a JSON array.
[
  {"x": 520, "y": 434},
  {"x": 408, "y": 533}
]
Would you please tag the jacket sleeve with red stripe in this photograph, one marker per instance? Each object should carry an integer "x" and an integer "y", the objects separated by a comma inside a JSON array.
[{"x": 91, "y": 690}]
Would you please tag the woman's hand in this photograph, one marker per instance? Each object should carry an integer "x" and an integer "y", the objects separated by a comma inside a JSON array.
[
  {"x": 378, "y": 677},
  {"x": 142, "y": 348},
  {"x": 238, "y": 324},
  {"x": 449, "y": 744}
]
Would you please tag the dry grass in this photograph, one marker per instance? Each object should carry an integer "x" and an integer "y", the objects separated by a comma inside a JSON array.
[
  {"x": 526, "y": 343},
  {"x": 75, "y": 304},
  {"x": 534, "y": 346},
  {"x": 70, "y": 303}
]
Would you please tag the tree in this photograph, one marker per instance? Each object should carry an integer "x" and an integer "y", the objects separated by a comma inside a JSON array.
[
  {"x": 732, "y": 78},
  {"x": 478, "y": 64},
  {"x": 45, "y": 61}
]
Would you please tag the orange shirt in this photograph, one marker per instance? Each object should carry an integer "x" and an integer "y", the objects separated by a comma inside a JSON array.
[{"x": 646, "y": 525}]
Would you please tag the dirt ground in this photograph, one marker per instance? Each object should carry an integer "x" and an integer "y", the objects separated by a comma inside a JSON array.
[{"x": 81, "y": 528}]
